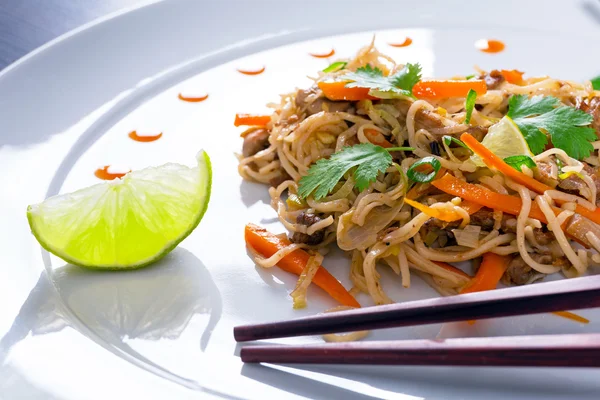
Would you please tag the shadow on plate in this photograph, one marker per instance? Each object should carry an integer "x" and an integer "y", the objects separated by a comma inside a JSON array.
[
  {"x": 252, "y": 193},
  {"x": 299, "y": 385},
  {"x": 151, "y": 304}
]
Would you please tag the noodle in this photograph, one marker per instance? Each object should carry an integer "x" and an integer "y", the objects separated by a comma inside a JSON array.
[{"x": 375, "y": 224}]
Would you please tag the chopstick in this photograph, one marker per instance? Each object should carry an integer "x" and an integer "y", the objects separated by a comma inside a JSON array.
[
  {"x": 574, "y": 350},
  {"x": 562, "y": 295}
]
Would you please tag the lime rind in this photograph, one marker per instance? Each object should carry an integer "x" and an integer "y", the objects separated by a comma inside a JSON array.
[
  {"x": 126, "y": 223},
  {"x": 504, "y": 139}
]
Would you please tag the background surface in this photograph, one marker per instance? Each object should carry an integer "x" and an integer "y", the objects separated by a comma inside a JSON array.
[{"x": 28, "y": 24}]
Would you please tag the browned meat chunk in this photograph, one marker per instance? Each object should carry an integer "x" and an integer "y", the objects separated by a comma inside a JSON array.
[
  {"x": 308, "y": 219},
  {"x": 255, "y": 141},
  {"x": 578, "y": 227},
  {"x": 279, "y": 179},
  {"x": 592, "y": 107},
  {"x": 519, "y": 273},
  {"x": 543, "y": 237},
  {"x": 424, "y": 119},
  {"x": 478, "y": 132},
  {"x": 543, "y": 174},
  {"x": 320, "y": 103},
  {"x": 493, "y": 79}
]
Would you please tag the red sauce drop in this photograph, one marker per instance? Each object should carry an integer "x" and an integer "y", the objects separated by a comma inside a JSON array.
[
  {"x": 407, "y": 42},
  {"x": 102, "y": 173},
  {"x": 252, "y": 72},
  {"x": 323, "y": 55},
  {"x": 134, "y": 136},
  {"x": 490, "y": 45},
  {"x": 192, "y": 99}
]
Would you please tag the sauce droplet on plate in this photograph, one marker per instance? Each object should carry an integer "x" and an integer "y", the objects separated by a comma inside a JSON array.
[
  {"x": 146, "y": 138},
  {"x": 192, "y": 99},
  {"x": 407, "y": 42},
  {"x": 489, "y": 45},
  {"x": 251, "y": 71},
  {"x": 104, "y": 174},
  {"x": 323, "y": 55}
]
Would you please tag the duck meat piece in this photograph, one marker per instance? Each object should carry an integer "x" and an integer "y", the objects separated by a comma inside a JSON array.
[
  {"x": 424, "y": 119},
  {"x": 255, "y": 141},
  {"x": 493, "y": 79},
  {"x": 320, "y": 103},
  {"x": 543, "y": 173},
  {"x": 308, "y": 219},
  {"x": 519, "y": 273},
  {"x": 578, "y": 227}
]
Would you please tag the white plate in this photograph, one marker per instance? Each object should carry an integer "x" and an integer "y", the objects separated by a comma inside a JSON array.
[{"x": 166, "y": 331}]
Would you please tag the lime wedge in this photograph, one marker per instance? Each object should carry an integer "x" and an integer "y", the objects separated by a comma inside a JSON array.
[
  {"x": 125, "y": 223},
  {"x": 504, "y": 139}
]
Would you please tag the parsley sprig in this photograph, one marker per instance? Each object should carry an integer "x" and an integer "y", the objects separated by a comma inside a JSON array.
[
  {"x": 369, "y": 160},
  {"x": 540, "y": 116},
  {"x": 401, "y": 83}
]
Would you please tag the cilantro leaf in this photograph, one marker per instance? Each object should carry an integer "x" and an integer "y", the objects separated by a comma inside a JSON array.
[
  {"x": 569, "y": 132},
  {"x": 566, "y": 125},
  {"x": 323, "y": 175},
  {"x": 401, "y": 82},
  {"x": 470, "y": 104},
  {"x": 596, "y": 83},
  {"x": 369, "y": 77},
  {"x": 518, "y": 161},
  {"x": 407, "y": 77}
]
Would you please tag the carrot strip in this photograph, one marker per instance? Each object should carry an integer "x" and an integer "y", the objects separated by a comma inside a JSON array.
[
  {"x": 421, "y": 188},
  {"x": 377, "y": 138},
  {"x": 441, "y": 214},
  {"x": 434, "y": 89},
  {"x": 513, "y": 76},
  {"x": 495, "y": 162},
  {"x": 572, "y": 316},
  {"x": 337, "y": 90},
  {"x": 452, "y": 268},
  {"x": 249, "y": 119},
  {"x": 470, "y": 206},
  {"x": 487, "y": 198},
  {"x": 268, "y": 244},
  {"x": 489, "y": 273}
]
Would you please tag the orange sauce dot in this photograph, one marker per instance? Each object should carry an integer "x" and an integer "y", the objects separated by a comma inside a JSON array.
[
  {"x": 102, "y": 173},
  {"x": 252, "y": 72},
  {"x": 151, "y": 138},
  {"x": 192, "y": 99},
  {"x": 323, "y": 55},
  {"x": 489, "y": 45},
  {"x": 407, "y": 42}
]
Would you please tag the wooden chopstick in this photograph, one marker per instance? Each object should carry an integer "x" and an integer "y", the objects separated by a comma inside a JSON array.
[
  {"x": 562, "y": 295},
  {"x": 574, "y": 350}
]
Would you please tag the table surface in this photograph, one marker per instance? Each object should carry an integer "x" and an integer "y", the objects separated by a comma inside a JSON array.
[{"x": 27, "y": 24}]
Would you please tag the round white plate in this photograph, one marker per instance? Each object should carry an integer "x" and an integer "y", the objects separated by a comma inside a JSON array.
[{"x": 166, "y": 331}]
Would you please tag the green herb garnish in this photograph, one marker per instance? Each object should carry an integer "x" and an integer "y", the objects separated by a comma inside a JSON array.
[
  {"x": 369, "y": 160},
  {"x": 336, "y": 66},
  {"x": 470, "y": 104},
  {"x": 450, "y": 139},
  {"x": 431, "y": 165},
  {"x": 518, "y": 161},
  {"x": 596, "y": 83},
  {"x": 541, "y": 115},
  {"x": 401, "y": 83}
]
